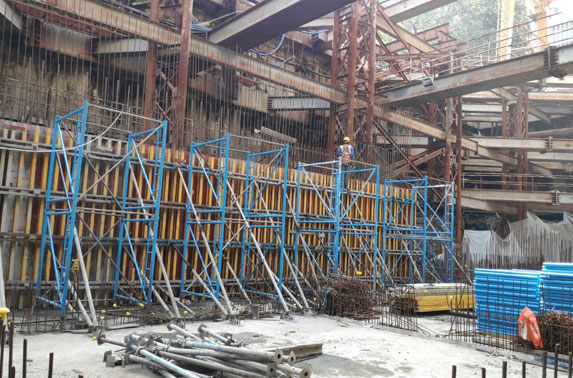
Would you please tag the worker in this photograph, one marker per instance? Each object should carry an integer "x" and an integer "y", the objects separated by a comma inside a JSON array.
[{"x": 346, "y": 153}]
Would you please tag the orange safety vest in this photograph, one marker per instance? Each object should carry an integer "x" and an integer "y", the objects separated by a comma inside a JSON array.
[{"x": 346, "y": 153}]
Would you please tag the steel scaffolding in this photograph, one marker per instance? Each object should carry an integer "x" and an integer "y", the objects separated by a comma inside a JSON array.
[
  {"x": 65, "y": 170},
  {"x": 78, "y": 139},
  {"x": 260, "y": 171},
  {"x": 418, "y": 230},
  {"x": 206, "y": 179},
  {"x": 231, "y": 220},
  {"x": 145, "y": 211},
  {"x": 344, "y": 221}
]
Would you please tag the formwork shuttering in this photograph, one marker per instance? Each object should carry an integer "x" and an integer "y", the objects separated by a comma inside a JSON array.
[{"x": 24, "y": 199}]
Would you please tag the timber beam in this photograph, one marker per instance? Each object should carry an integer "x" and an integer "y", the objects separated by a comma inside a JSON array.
[{"x": 506, "y": 73}]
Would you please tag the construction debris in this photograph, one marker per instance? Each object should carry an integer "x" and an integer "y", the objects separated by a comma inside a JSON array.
[{"x": 204, "y": 354}]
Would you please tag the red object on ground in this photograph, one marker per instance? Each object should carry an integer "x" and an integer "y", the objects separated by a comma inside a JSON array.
[{"x": 528, "y": 328}]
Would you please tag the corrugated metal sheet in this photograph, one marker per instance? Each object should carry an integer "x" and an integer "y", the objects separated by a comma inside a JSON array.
[
  {"x": 557, "y": 287},
  {"x": 501, "y": 295}
]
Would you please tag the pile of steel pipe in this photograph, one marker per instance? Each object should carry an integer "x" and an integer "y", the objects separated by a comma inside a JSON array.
[{"x": 205, "y": 353}]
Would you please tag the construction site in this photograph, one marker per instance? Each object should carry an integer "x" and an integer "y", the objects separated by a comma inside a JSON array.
[{"x": 286, "y": 188}]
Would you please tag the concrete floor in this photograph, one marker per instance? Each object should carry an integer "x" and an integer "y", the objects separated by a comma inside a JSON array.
[{"x": 351, "y": 349}]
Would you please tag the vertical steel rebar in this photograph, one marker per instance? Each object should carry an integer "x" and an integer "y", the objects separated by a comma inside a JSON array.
[
  {"x": 51, "y": 365},
  {"x": 556, "y": 361},
  {"x": 24, "y": 357},
  {"x": 11, "y": 345},
  {"x": 544, "y": 363},
  {"x": 504, "y": 369}
]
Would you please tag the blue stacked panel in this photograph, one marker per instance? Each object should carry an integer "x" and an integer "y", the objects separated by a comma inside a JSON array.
[
  {"x": 557, "y": 287},
  {"x": 500, "y": 297}
]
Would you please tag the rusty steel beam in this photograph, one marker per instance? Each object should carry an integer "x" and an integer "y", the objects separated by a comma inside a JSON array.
[
  {"x": 489, "y": 206},
  {"x": 397, "y": 11},
  {"x": 351, "y": 71},
  {"x": 507, "y": 73},
  {"x": 371, "y": 76},
  {"x": 426, "y": 35},
  {"x": 525, "y": 144},
  {"x": 183, "y": 73},
  {"x": 458, "y": 178},
  {"x": 554, "y": 197},
  {"x": 137, "y": 26},
  {"x": 404, "y": 9},
  {"x": 504, "y": 93},
  {"x": 270, "y": 19},
  {"x": 387, "y": 26},
  {"x": 402, "y": 166},
  {"x": 150, "y": 69},
  {"x": 467, "y": 143}
]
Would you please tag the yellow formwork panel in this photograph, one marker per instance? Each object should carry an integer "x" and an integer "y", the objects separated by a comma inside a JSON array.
[{"x": 172, "y": 221}]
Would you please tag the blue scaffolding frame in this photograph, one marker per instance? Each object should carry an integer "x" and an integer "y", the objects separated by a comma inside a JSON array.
[
  {"x": 258, "y": 216},
  {"x": 146, "y": 213},
  {"x": 421, "y": 223},
  {"x": 66, "y": 165},
  {"x": 336, "y": 223},
  {"x": 216, "y": 180}
]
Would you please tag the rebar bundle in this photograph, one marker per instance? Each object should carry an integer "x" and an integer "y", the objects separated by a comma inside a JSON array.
[
  {"x": 202, "y": 354},
  {"x": 556, "y": 328},
  {"x": 349, "y": 297}
]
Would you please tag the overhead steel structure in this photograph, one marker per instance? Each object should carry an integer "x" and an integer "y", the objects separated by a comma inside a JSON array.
[
  {"x": 270, "y": 19},
  {"x": 418, "y": 230}
]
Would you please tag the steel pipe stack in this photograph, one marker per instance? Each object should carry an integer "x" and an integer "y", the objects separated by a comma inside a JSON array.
[{"x": 203, "y": 354}]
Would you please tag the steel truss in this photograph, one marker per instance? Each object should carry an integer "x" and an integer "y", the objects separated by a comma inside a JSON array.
[
  {"x": 235, "y": 219},
  {"x": 418, "y": 230},
  {"x": 344, "y": 221},
  {"x": 73, "y": 164}
]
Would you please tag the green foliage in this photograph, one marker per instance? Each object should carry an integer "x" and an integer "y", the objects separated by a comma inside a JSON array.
[{"x": 468, "y": 19}]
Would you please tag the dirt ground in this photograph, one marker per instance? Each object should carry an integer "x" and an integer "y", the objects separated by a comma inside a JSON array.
[{"x": 351, "y": 349}]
